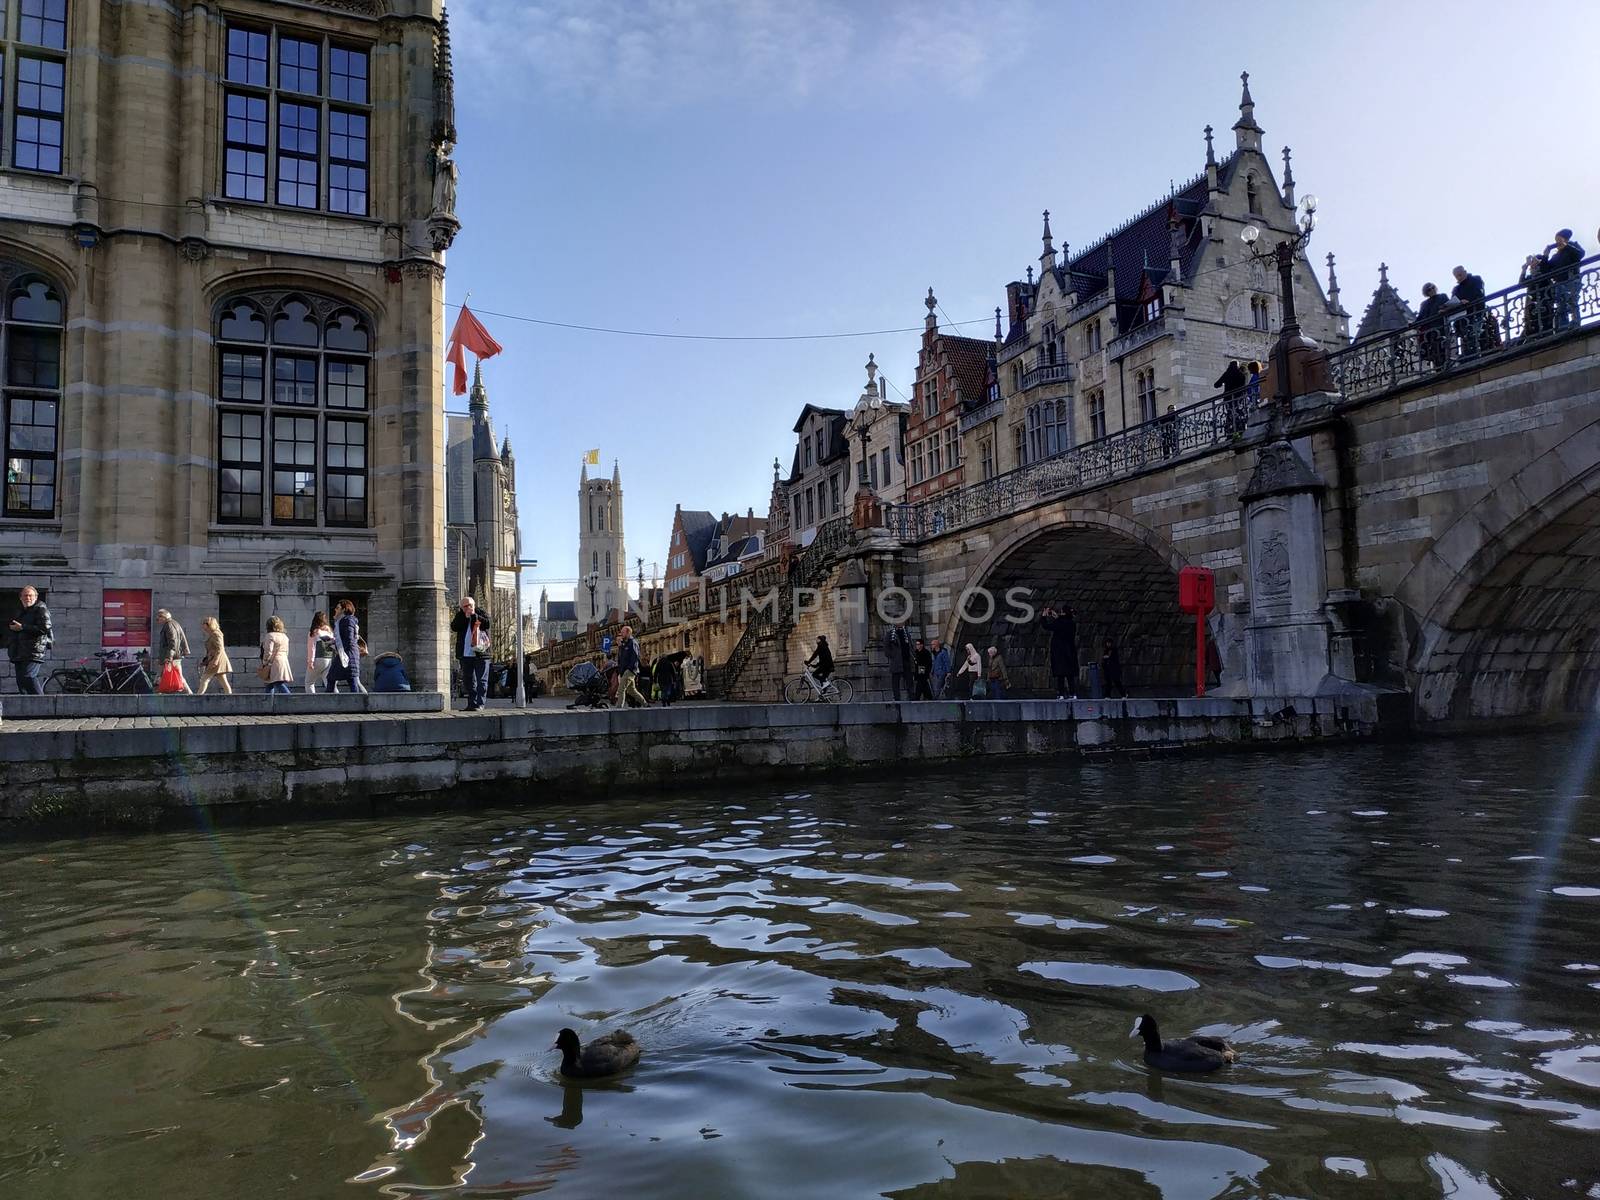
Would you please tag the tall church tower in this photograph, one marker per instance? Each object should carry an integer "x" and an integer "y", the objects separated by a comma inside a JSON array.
[
  {"x": 494, "y": 511},
  {"x": 601, "y": 556}
]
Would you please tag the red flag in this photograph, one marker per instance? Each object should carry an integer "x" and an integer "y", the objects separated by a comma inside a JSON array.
[{"x": 469, "y": 334}]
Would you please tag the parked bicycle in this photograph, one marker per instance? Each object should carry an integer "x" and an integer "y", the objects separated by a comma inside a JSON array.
[
  {"x": 806, "y": 688},
  {"x": 115, "y": 674}
]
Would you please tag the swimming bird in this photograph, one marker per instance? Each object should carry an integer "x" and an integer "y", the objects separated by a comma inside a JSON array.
[
  {"x": 606, "y": 1055},
  {"x": 1182, "y": 1054}
]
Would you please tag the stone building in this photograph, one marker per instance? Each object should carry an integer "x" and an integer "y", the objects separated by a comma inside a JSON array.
[
  {"x": 817, "y": 488},
  {"x": 877, "y": 432},
  {"x": 481, "y": 524},
  {"x": 222, "y": 238},
  {"x": 953, "y": 376},
  {"x": 602, "y": 559},
  {"x": 557, "y": 619},
  {"x": 1148, "y": 317}
]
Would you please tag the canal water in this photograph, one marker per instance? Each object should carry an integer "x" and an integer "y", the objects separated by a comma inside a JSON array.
[{"x": 919, "y": 985}]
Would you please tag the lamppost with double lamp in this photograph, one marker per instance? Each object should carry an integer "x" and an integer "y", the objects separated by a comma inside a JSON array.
[
  {"x": 522, "y": 659},
  {"x": 867, "y": 410},
  {"x": 592, "y": 581},
  {"x": 1282, "y": 255}
]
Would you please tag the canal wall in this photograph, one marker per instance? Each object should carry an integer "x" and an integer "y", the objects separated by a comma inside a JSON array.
[{"x": 155, "y": 770}]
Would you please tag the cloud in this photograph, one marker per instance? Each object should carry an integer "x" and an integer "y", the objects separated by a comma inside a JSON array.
[{"x": 662, "y": 54}]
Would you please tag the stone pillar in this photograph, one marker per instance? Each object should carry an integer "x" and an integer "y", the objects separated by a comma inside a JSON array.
[{"x": 1287, "y": 632}]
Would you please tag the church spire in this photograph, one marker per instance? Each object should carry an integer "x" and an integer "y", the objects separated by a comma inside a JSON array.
[
  {"x": 1246, "y": 132},
  {"x": 1288, "y": 180},
  {"x": 478, "y": 402},
  {"x": 1047, "y": 257}
]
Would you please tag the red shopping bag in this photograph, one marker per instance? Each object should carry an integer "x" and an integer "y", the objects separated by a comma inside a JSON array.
[{"x": 171, "y": 679}]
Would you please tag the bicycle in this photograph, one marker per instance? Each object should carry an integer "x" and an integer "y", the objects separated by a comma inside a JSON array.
[
  {"x": 805, "y": 688},
  {"x": 115, "y": 675}
]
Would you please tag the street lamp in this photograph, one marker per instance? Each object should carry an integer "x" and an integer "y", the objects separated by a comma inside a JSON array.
[
  {"x": 1282, "y": 255},
  {"x": 592, "y": 581},
  {"x": 866, "y": 413},
  {"x": 522, "y": 660}
]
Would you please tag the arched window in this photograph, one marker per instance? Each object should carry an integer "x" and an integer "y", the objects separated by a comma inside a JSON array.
[
  {"x": 1259, "y": 317},
  {"x": 1250, "y": 195},
  {"x": 1145, "y": 382},
  {"x": 595, "y": 556},
  {"x": 608, "y": 564},
  {"x": 293, "y": 381},
  {"x": 30, "y": 351}
]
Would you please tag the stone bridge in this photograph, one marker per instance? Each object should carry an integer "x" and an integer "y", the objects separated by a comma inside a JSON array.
[{"x": 1431, "y": 526}]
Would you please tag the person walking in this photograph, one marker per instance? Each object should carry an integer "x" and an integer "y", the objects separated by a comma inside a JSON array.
[
  {"x": 1111, "y": 670},
  {"x": 970, "y": 673},
  {"x": 1063, "y": 627},
  {"x": 320, "y": 651},
  {"x": 897, "y": 644},
  {"x": 997, "y": 674},
  {"x": 172, "y": 647},
  {"x": 28, "y": 637},
  {"x": 941, "y": 668},
  {"x": 922, "y": 665},
  {"x": 628, "y": 664},
  {"x": 215, "y": 664},
  {"x": 274, "y": 669},
  {"x": 470, "y": 630},
  {"x": 1562, "y": 257},
  {"x": 347, "y": 649}
]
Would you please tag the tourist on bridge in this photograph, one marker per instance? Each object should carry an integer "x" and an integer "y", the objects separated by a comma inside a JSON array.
[
  {"x": 274, "y": 669},
  {"x": 172, "y": 647},
  {"x": 628, "y": 665},
  {"x": 1232, "y": 379},
  {"x": 1430, "y": 324},
  {"x": 470, "y": 630},
  {"x": 922, "y": 659},
  {"x": 1252, "y": 383},
  {"x": 1537, "y": 314},
  {"x": 1169, "y": 431},
  {"x": 27, "y": 640},
  {"x": 997, "y": 674},
  {"x": 941, "y": 668},
  {"x": 1063, "y": 627},
  {"x": 1475, "y": 333},
  {"x": 897, "y": 644},
  {"x": 216, "y": 664},
  {"x": 1562, "y": 258}
]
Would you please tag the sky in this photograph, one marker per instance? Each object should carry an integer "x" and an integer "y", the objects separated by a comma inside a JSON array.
[{"x": 777, "y": 168}]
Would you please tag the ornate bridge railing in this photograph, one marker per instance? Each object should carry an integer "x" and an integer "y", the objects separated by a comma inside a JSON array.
[
  {"x": 1210, "y": 424},
  {"x": 1507, "y": 322},
  {"x": 806, "y": 569}
]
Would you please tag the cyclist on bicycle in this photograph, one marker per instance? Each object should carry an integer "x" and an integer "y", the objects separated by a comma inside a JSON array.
[{"x": 820, "y": 664}]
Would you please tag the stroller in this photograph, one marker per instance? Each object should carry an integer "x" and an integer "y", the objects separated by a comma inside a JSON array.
[{"x": 589, "y": 686}]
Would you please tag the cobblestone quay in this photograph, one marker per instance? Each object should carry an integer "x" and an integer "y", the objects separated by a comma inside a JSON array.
[{"x": 149, "y": 770}]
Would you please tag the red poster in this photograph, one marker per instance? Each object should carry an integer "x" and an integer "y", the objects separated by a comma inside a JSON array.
[{"x": 125, "y": 619}]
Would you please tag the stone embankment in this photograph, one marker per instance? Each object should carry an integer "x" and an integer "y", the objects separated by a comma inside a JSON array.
[{"x": 143, "y": 771}]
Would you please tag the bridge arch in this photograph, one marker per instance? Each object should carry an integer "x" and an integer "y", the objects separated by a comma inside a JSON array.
[
  {"x": 1507, "y": 600},
  {"x": 1121, "y": 579}
]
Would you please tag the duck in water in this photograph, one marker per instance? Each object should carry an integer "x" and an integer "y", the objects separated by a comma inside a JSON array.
[
  {"x": 606, "y": 1055},
  {"x": 1193, "y": 1054}
]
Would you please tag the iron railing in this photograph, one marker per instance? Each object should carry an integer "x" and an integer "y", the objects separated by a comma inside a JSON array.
[
  {"x": 1506, "y": 322},
  {"x": 1134, "y": 338},
  {"x": 1209, "y": 425}
]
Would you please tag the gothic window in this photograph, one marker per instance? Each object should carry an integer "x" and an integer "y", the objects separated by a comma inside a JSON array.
[
  {"x": 33, "y": 41},
  {"x": 1092, "y": 334},
  {"x": 1145, "y": 385},
  {"x": 1016, "y": 377},
  {"x": 1019, "y": 444},
  {"x": 318, "y": 101},
  {"x": 1096, "y": 403},
  {"x": 1252, "y": 198},
  {"x": 30, "y": 368},
  {"x": 1047, "y": 352},
  {"x": 1259, "y": 317},
  {"x": 986, "y": 457},
  {"x": 608, "y": 564},
  {"x": 293, "y": 379}
]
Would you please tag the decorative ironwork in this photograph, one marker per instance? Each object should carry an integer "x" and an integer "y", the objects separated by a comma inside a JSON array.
[
  {"x": 1132, "y": 340},
  {"x": 1212, "y": 424},
  {"x": 1050, "y": 373},
  {"x": 1467, "y": 335}
]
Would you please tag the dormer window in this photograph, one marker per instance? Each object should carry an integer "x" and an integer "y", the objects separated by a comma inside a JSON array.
[{"x": 1152, "y": 310}]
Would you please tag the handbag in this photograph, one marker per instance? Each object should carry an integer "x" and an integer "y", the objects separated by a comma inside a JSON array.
[
  {"x": 171, "y": 679},
  {"x": 980, "y": 690}
]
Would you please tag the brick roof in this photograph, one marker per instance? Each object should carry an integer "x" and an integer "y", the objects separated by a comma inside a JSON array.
[{"x": 969, "y": 361}]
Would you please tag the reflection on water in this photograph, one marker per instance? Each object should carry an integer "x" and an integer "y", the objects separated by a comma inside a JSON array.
[{"x": 912, "y": 987}]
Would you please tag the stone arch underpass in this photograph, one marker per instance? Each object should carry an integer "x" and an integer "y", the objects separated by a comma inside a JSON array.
[
  {"x": 1514, "y": 630},
  {"x": 1122, "y": 583}
]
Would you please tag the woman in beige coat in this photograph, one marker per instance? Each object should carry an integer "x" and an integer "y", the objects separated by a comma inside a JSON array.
[
  {"x": 215, "y": 664},
  {"x": 274, "y": 669}
]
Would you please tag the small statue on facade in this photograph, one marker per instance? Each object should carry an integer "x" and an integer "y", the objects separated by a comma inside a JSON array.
[{"x": 444, "y": 182}]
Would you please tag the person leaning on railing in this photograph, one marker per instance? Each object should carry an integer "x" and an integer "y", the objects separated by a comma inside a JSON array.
[{"x": 1562, "y": 257}]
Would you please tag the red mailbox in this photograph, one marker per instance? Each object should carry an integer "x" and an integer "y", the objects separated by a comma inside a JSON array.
[
  {"x": 1197, "y": 590},
  {"x": 1197, "y": 594}
]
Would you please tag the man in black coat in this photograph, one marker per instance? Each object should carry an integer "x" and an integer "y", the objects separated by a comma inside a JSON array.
[
  {"x": 28, "y": 636},
  {"x": 1063, "y": 627},
  {"x": 1471, "y": 328},
  {"x": 1561, "y": 265},
  {"x": 897, "y": 645},
  {"x": 922, "y": 685},
  {"x": 1430, "y": 321},
  {"x": 469, "y": 631}
]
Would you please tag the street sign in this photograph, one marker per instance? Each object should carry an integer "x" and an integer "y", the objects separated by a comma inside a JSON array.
[
  {"x": 505, "y": 580},
  {"x": 605, "y": 644}
]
